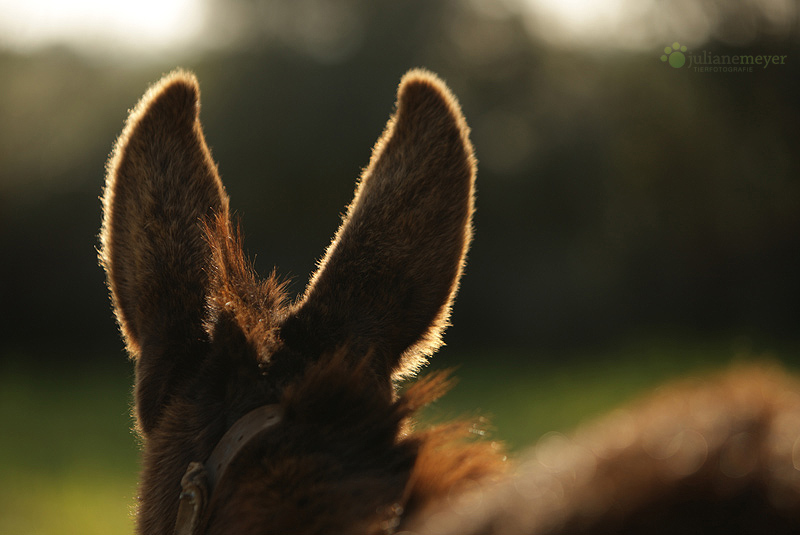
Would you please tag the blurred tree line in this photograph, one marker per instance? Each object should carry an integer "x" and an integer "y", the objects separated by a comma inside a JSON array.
[{"x": 615, "y": 193}]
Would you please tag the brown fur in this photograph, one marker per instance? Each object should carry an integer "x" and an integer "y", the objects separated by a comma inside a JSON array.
[
  {"x": 719, "y": 455},
  {"x": 212, "y": 342}
]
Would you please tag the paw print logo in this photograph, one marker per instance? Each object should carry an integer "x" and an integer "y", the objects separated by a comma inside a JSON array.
[{"x": 675, "y": 55}]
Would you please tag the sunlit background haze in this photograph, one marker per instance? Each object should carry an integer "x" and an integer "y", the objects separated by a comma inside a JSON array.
[{"x": 635, "y": 221}]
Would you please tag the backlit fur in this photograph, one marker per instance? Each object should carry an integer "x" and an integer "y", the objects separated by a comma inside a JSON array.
[{"x": 211, "y": 341}]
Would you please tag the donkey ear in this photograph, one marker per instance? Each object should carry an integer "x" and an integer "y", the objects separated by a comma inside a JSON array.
[
  {"x": 161, "y": 185},
  {"x": 390, "y": 275}
]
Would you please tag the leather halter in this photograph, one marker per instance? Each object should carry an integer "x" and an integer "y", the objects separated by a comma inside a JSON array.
[{"x": 200, "y": 479}]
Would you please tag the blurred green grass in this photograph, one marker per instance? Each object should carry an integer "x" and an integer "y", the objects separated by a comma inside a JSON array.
[
  {"x": 68, "y": 460},
  {"x": 523, "y": 397}
]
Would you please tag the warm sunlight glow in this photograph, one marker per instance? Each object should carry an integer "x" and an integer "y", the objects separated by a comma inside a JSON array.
[
  {"x": 592, "y": 24},
  {"x": 100, "y": 26}
]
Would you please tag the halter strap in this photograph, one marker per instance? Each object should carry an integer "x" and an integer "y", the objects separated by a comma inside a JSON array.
[{"x": 200, "y": 479}]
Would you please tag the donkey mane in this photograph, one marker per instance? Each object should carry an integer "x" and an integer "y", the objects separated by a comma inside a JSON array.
[
  {"x": 214, "y": 344},
  {"x": 236, "y": 293}
]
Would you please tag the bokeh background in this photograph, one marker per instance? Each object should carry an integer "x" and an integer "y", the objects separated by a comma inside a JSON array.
[{"x": 635, "y": 221}]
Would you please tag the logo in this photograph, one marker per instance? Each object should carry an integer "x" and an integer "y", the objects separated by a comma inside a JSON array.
[
  {"x": 707, "y": 61},
  {"x": 674, "y": 55}
]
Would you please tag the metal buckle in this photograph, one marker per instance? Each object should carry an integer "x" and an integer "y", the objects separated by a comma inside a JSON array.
[
  {"x": 200, "y": 479},
  {"x": 193, "y": 500}
]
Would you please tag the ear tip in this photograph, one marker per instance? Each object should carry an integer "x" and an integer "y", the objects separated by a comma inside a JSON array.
[
  {"x": 421, "y": 78},
  {"x": 420, "y": 83},
  {"x": 179, "y": 80},
  {"x": 423, "y": 96},
  {"x": 176, "y": 93}
]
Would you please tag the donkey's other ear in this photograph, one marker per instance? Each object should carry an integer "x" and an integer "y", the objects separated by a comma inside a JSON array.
[
  {"x": 387, "y": 281},
  {"x": 161, "y": 185}
]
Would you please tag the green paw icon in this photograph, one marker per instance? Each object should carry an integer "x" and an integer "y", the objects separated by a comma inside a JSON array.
[{"x": 674, "y": 55}]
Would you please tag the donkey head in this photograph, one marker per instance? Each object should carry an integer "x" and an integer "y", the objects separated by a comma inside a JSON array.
[{"x": 212, "y": 342}]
